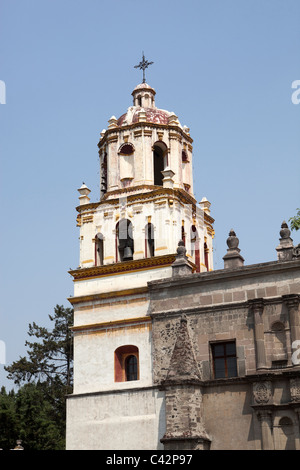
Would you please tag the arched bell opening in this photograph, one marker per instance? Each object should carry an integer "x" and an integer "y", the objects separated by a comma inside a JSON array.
[
  {"x": 124, "y": 241},
  {"x": 99, "y": 250},
  {"x": 149, "y": 241},
  {"x": 103, "y": 174},
  {"x": 160, "y": 156},
  {"x": 195, "y": 247}
]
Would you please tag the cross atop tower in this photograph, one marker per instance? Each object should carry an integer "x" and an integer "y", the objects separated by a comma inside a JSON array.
[{"x": 143, "y": 65}]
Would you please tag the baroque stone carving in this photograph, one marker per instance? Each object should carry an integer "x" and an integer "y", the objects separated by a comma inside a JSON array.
[
  {"x": 262, "y": 392},
  {"x": 296, "y": 252},
  {"x": 295, "y": 389}
]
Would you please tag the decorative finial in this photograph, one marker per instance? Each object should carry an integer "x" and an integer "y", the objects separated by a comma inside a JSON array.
[
  {"x": 143, "y": 65},
  {"x": 181, "y": 265},
  {"x": 285, "y": 231},
  {"x": 233, "y": 259},
  {"x": 181, "y": 250},
  {"x": 232, "y": 241},
  {"x": 285, "y": 247}
]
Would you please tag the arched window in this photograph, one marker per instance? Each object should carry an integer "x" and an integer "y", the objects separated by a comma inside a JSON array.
[
  {"x": 126, "y": 363},
  {"x": 195, "y": 250},
  {"x": 99, "y": 251},
  {"x": 124, "y": 240},
  {"x": 159, "y": 156},
  {"x": 149, "y": 241}
]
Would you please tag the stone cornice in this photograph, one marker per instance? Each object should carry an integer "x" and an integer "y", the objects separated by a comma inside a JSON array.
[
  {"x": 91, "y": 206},
  {"x": 151, "y": 193},
  {"x": 108, "y": 295},
  {"x": 123, "y": 267},
  {"x": 269, "y": 374},
  {"x": 210, "y": 308},
  {"x": 142, "y": 124},
  {"x": 208, "y": 218},
  {"x": 113, "y": 324},
  {"x": 144, "y": 192},
  {"x": 223, "y": 275},
  {"x": 114, "y": 391},
  {"x": 274, "y": 406}
]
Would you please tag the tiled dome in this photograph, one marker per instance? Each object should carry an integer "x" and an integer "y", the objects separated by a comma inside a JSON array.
[{"x": 154, "y": 115}]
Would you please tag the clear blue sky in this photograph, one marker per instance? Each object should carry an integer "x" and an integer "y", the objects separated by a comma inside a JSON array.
[{"x": 225, "y": 67}]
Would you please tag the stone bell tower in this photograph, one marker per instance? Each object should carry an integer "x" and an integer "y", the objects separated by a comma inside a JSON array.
[{"x": 128, "y": 238}]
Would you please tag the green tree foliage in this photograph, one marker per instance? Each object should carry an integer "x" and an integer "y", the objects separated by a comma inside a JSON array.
[
  {"x": 50, "y": 358},
  {"x": 41, "y": 425},
  {"x": 36, "y": 413},
  {"x": 8, "y": 423},
  {"x": 28, "y": 415},
  {"x": 295, "y": 221}
]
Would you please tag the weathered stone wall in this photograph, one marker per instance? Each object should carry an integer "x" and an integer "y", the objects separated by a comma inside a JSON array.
[
  {"x": 257, "y": 307},
  {"x": 218, "y": 308}
]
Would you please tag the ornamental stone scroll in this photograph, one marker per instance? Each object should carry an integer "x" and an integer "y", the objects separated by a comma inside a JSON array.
[{"x": 262, "y": 393}]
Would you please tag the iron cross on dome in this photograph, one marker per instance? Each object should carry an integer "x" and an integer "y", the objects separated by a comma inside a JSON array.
[{"x": 143, "y": 65}]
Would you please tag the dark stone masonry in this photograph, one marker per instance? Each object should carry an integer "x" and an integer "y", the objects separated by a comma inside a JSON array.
[{"x": 225, "y": 351}]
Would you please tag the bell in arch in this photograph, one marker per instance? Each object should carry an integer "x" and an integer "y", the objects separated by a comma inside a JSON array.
[{"x": 127, "y": 253}]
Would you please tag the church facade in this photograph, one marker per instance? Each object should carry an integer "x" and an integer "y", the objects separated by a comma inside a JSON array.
[
  {"x": 169, "y": 354},
  {"x": 127, "y": 239}
]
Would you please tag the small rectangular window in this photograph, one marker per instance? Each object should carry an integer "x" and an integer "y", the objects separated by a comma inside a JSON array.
[{"x": 224, "y": 359}]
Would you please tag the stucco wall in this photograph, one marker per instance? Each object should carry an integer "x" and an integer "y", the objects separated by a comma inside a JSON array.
[{"x": 131, "y": 419}]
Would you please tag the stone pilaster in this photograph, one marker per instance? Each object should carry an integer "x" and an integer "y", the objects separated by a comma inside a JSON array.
[
  {"x": 262, "y": 403},
  {"x": 257, "y": 306},
  {"x": 265, "y": 418},
  {"x": 292, "y": 301}
]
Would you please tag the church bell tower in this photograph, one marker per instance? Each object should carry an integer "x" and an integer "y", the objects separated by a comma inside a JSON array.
[{"x": 128, "y": 238}]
